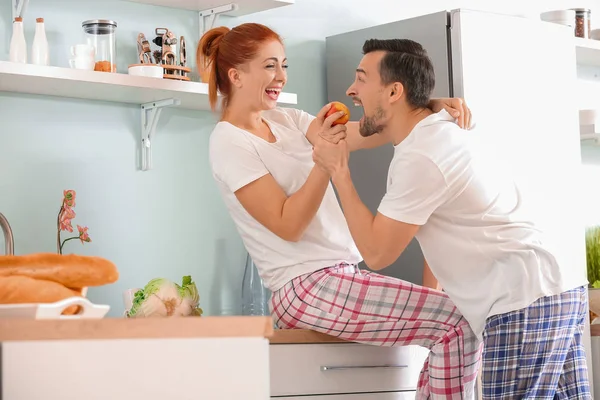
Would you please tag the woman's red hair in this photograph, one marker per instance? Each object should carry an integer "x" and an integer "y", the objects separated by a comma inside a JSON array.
[{"x": 221, "y": 49}]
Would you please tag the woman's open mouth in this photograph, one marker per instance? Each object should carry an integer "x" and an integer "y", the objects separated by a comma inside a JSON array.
[{"x": 273, "y": 93}]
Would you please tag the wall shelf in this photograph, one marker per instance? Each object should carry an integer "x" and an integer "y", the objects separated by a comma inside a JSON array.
[
  {"x": 588, "y": 51},
  {"x": 104, "y": 86},
  {"x": 245, "y": 7},
  {"x": 151, "y": 94}
]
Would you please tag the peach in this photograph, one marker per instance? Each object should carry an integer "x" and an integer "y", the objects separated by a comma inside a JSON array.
[{"x": 335, "y": 107}]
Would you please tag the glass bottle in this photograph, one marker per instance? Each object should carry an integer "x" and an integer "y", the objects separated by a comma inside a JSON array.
[
  {"x": 255, "y": 297},
  {"x": 39, "y": 48},
  {"x": 18, "y": 45}
]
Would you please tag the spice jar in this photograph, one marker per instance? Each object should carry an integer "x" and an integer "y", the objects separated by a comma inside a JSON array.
[
  {"x": 100, "y": 33},
  {"x": 583, "y": 24}
]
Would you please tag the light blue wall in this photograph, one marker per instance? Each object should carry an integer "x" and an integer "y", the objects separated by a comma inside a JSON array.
[
  {"x": 169, "y": 221},
  {"x": 166, "y": 222}
]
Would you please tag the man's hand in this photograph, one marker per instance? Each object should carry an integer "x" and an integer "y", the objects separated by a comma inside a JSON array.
[
  {"x": 332, "y": 158},
  {"x": 322, "y": 127},
  {"x": 456, "y": 107}
]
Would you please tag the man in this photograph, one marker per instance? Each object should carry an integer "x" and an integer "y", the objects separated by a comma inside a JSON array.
[{"x": 477, "y": 235}]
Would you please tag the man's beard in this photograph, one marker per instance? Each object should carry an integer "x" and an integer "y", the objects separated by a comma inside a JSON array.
[{"x": 370, "y": 126}]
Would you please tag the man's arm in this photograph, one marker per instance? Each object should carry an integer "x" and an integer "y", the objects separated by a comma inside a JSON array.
[
  {"x": 454, "y": 106},
  {"x": 380, "y": 240},
  {"x": 418, "y": 189}
]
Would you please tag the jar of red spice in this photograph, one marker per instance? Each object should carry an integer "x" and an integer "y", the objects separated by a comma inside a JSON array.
[{"x": 583, "y": 19}]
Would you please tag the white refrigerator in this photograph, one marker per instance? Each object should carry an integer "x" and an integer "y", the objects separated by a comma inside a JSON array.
[{"x": 519, "y": 78}]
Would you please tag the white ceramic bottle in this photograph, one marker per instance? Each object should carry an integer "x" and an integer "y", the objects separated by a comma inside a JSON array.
[
  {"x": 18, "y": 45},
  {"x": 39, "y": 48}
]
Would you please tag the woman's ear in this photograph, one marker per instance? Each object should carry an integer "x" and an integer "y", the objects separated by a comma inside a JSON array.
[{"x": 234, "y": 77}]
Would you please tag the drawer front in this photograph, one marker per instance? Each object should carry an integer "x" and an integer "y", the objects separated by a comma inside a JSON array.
[
  {"x": 136, "y": 369},
  {"x": 361, "y": 396},
  {"x": 317, "y": 369}
]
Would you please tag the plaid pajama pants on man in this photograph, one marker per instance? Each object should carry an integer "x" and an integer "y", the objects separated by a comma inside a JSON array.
[
  {"x": 365, "y": 307},
  {"x": 537, "y": 352}
]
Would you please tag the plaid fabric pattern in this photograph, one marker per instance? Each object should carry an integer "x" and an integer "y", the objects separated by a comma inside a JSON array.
[
  {"x": 537, "y": 352},
  {"x": 365, "y": 307}
]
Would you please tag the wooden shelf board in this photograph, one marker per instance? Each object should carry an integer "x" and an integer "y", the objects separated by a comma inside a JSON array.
[{"x": 104, "y": 86}]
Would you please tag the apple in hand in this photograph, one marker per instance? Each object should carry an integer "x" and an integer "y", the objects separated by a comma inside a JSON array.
[{"x": 335, "y": 107}]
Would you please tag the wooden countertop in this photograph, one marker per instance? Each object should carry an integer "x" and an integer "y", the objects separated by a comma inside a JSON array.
[
  {"x": 123, "y": 328},
  {"x": 302, "y": 336}
]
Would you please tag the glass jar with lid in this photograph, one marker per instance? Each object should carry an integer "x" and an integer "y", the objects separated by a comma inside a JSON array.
[
  {"x": 583, "y": 18},
  {"x": 101, "y": 33}
]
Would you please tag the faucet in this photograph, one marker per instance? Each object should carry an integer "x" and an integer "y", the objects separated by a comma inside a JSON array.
[{"x": 9, "y": 242}]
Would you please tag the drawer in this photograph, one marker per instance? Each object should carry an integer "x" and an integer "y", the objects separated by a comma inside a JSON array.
[
  {"x": 362, "y": 396},
  {"x": 337, "y": 368}
]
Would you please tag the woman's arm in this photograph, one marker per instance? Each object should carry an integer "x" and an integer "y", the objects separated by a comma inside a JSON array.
[{"x": 289, "y": 216}]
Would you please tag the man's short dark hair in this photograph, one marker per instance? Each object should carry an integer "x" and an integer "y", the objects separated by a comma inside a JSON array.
[{"x": 406, "y": 62}]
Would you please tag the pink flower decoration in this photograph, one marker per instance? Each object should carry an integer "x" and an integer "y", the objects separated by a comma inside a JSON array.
[
  {"x": 83, "y": 234},
  {"x": 66, "y": 215},
  {"x": 69, "y": 198}
]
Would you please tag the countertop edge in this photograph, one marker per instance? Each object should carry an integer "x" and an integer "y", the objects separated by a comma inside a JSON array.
[
  {"x": 142, "y": 328},
  {"x": 302, "y": 336}
]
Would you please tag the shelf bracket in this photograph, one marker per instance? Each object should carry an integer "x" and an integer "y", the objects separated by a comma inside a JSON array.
[
  {"x": 208, "y": 18},
  {"x": 150, "y": 116},
  {"x": 18, "y": 8}
]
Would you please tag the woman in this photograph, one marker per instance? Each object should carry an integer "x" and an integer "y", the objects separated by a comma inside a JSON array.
[{"x": 288, "y": 216}]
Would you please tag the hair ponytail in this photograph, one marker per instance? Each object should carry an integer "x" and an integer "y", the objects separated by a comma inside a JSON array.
[{"x": 206, "y": 58}]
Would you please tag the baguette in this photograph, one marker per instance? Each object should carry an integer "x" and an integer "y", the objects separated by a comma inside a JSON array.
[
  {"x": 73, "y": 271},
  {"x": 22, "y": 289}
]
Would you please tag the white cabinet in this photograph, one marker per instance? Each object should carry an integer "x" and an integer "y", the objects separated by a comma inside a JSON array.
[
  {"x": 342, "y": 369},
  {"x": 136, "y": 369}
]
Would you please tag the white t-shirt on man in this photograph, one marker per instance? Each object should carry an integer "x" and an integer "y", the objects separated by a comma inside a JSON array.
[
  {"x": 478, "y": 236},
  {"x": 238, "y": 158}
]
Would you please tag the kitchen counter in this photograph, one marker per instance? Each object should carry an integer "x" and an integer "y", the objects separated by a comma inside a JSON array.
[
  {"x": 153, "y": 328},
  {"x": 142, "y": 328},
  {"x": 178, "y": 358},
  {"x": 203, "y": 354}
]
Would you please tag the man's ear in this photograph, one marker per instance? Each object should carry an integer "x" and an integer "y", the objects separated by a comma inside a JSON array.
[{"x": 396, "y": 92}]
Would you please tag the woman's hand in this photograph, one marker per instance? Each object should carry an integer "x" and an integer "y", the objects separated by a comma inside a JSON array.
[
  {"x": 456, "y": 107},
  {"x": 323, "y": 127}
]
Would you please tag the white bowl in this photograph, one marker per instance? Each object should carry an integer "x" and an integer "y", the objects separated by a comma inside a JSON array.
[{"x": 149, "y": 70}]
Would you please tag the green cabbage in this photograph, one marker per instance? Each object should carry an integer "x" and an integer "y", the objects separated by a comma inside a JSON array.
[{"x": 163, "y": 298}]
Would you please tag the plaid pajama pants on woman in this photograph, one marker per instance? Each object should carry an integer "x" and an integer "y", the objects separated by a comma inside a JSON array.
[
  {"x": 365, "y": 307},
  {"x": 537, "y": 352}
]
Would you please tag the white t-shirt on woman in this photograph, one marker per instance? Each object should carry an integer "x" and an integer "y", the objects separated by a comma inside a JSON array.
[{"x": 238, "y": 158}]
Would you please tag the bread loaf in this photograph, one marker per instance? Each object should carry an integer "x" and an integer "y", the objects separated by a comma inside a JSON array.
[
  {"x": 73, "y": 271},
  {"x": 18, "y": 289}
]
